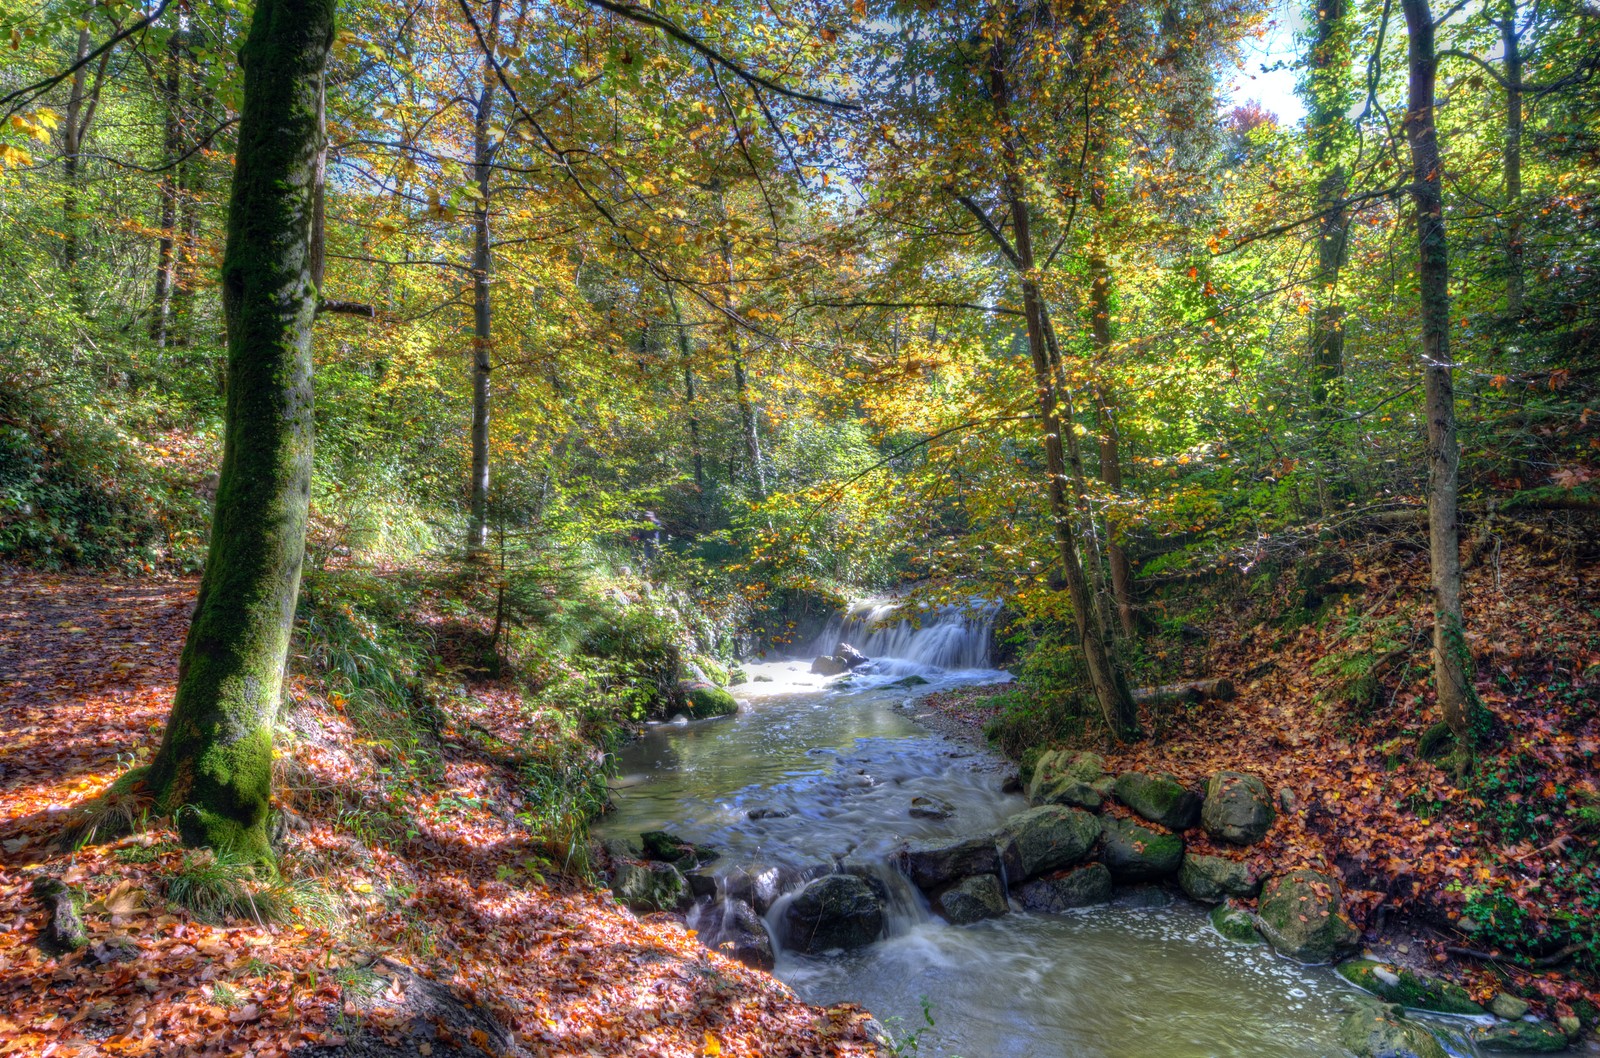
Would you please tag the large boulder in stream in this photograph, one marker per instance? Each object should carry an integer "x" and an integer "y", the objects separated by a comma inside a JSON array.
[
  {"x": 933, "y": 864},
  {"x": 1065, "y": 777},
  {"x": 1160, "y": 799},
  {"x": 669, "y": 848},
  {"x": 1377, "y": 1030},
  {"x": 1302, "y": 914},
  {"x": 838, "y": 911},
  {"x": 1046, "y": 838},
  {"x": 1139, "y": 854},
  {"x": 1065, "y": 890},
  {"x": 829, "y": 665},
  {"x": 1237, "y": 808},
  {"x": 1212, "y": 879},
  {"x": 646, "y": 887},
  {"x": 850, "y": 656},
  {"x": 973, "y": 900}
]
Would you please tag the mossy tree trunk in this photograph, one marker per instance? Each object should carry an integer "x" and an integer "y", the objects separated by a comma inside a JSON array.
[{"x": 213, "y": 772}]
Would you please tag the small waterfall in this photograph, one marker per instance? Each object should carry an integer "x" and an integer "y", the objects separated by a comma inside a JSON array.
[{"x": 946, "y": 637}]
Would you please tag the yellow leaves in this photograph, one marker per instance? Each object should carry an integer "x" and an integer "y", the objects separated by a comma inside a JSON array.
[{"x": 712, "y": 1046}]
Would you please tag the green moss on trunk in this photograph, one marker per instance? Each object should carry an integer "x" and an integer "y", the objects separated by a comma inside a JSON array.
[{"x": 213, "y": 772}]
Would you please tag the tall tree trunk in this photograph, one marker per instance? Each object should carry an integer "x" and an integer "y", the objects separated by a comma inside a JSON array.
[
  {"x": 71, "y": 146},
  {"x": 191, "y": 186},
  {"x": 213, "y": 772},
  {"x": 1327, "y": 88},
  {"x": 696, "y": 452},
  {"x": 1451, "y": 658},
  {"x": 748, "y": 419},
  {"x": 167, "y": 191},
  {"x": 1511, "y": 45},
  {"x": 482, "y": 333},
  {"x": 1110, "y": 689},
  {"x": 1106, "y": 421}
]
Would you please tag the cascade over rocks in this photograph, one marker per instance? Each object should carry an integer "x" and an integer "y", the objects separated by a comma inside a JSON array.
[
  {"x": 933, "y": 864},
  {"x": 1160, "y": 799},
  {"x": 1064, "y": 890},
  {"x": 1302, "y": 914},
  {"x": 1139, "y": 854},
  {"x": 973, "y": 899},
  {"x": 1237, "y": 808},
  {"x": 1212, "y": 879},
  {"x": 734, "y": 928},
  {"x": 837, "y": 911},
  {"x": 1046, "y": 838}
]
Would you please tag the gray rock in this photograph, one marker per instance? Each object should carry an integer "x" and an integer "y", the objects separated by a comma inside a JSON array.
[
  {"x": 973, "y": 899},
  {"x": 1237, "y": 808},
  {"x": 931, "y": 808},
  {"x": 1061, "y": 769},
  {"x": 1212, "y": 879},
  {"x": 828, "y": 665},
  {"x": 1520, "y": 1037},
  {"x": 850, "y": 655},
  {"x": 1145, "y": 897},
  {"x": 1374, "y": 1030},
  {"x": 647, "y": 887},
  {"x": 669, "y": 848},
  {"x": 937, "y": 863},
  {"x": 836, "y": 911},
  {"x": 1302, "y": 914},
  {"x": 1160, "y": 799},
  {"x": 622, "y": 849},
  {"x": 1046, "y": 838},
  {"x": 1510, "y": 1007},
  {"x": 1139, "y": 854},
  {"x": 1064, "y": 890}
]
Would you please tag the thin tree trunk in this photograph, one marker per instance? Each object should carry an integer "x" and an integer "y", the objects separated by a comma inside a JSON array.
[
  {"x": 191, "y": 184},
  {"x": 1110, "y": 690},
  {"x": 749, "y": 420},
  {"x": 71, "y": 145},
  {"x": 1450, "y": 654},
  {"x": 213, "y": 772},
  {"x": 695, "y": 451},
  {"x": 166, "y": 248},
  {"x": 482, "y": 331},
  {"x": 1511, "y": 44},
  {"x": 1328, "y": 103},
  {"x": 1106, "y": 424}
]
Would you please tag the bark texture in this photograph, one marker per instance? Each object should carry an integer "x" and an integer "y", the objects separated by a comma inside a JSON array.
[
  {"x": 1450, "y": 654},
  {"x": 213, "y": 772},
  {"x": 1329, "y": 99},
  {"x": 482, "y": 318}
]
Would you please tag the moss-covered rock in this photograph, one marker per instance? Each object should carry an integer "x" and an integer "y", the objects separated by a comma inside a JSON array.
[
  {"x": 706, "y": 701},
  {"x": 1046, "y": 838},
  {"x": 1139, "y": 854},
  {"x": 1302, "y": 915},
  {"x": 973, "y": 899},
  {"x": 1160, "y": 799},
  {"x": 1374, "y": 1030},
  {"x": 936, "y": 863},
  {"x": 1068, "y": 777},
  {"x": 1237, "y": 808},
  {"x": 645, "y": 887},
  {"x": 669, "y": 848},
  {"x": 1064, "y": 890},
  {"x": 1520, "y": 1037},
  {"x": 1212, "y": 879},
  {"x": 1396, "y": 984},
  {"x": 1236, "y": 924}
]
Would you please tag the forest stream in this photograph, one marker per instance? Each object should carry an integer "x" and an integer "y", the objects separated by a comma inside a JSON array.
[{"x": 829, "y": 767}]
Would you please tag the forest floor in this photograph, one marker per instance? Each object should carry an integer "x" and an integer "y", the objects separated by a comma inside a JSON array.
[
  {"x": 440, "y": 934},
  {"x": 1501, "y": 864}
]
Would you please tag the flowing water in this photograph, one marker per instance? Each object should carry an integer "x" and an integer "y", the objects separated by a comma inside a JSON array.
[{"x": 817, "y": 770}]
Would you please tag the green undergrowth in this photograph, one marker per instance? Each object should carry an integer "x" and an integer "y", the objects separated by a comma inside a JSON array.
[{"x": 223, "y": 888}]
